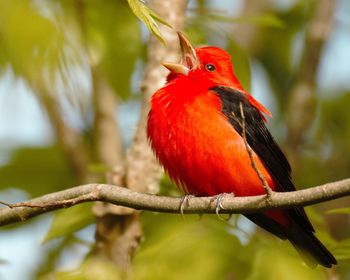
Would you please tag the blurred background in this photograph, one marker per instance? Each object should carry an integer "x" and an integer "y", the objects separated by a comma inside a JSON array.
[{"x": 70, "y": 104}]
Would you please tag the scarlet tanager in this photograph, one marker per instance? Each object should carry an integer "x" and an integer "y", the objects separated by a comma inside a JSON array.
[{"x": 195, "y": 129}]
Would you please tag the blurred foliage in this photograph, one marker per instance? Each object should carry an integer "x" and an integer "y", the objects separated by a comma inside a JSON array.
[
  {"x": 109, "y": 44},
  {"x": 280, "y": 62},
  {"x": 261, "y": 20},
  {"x": 91, "y": 269},
  {"x": 56, "y": 46},
  {"x": 37, "y": 171},
  {"x": 170, "y": 239},
  {"x": 202, "y": 248},
  {"x": 68, "y": 221},
  {"x": 344, "y": 210},
  {"x": 342, "y": 250},
  {"x": 329, "y": 143},
  {"x": 29, "y": 47},
  {"x": 57, "y": 251},
  {"x": 241, "y": 64}
]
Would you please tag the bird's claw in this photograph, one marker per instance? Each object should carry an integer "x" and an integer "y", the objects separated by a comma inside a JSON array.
[
  {"x": 184, "y": 200},
  {"x": 219, "y": 199}
]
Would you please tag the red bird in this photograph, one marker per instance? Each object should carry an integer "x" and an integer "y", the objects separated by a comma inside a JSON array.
[{"x": 195, "y": 127}]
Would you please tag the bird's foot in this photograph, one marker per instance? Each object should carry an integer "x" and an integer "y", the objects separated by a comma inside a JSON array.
[
  {"x": 184, "y": 200},
  {"x": 219, "y": 199}
]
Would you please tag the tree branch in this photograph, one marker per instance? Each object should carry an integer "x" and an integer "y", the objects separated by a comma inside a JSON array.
[
  {"x": 140, "y": 158},
  {"x": 196, "y": 205},
  {"x": 118, "y": 230}
]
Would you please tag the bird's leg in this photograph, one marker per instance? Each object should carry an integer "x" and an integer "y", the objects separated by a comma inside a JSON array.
[
  {"x": 219, "y": 199},
  {"x": 184, "y": 200}
]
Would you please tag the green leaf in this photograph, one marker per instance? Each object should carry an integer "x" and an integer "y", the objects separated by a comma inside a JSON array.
[
  {"x": 68, "y": 221},
  {"x": 148, "y": 17},
  {"x": 158, "y": 18}
]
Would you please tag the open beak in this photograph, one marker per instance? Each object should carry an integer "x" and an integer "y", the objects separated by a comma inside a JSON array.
[{"x": 189, "y": 58}]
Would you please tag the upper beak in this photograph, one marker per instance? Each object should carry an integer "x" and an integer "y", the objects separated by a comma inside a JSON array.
[{"x": 189, "y": 58}]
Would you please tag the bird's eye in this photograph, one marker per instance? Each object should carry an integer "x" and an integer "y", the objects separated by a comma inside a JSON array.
[{"x": 210, "y": 67}]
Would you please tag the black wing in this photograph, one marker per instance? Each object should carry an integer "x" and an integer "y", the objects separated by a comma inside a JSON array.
[{"x": 261, "y": 141}]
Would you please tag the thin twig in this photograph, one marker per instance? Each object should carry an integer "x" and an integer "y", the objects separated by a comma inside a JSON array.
[
  {"x": 54, "y": 204},
  {"x": 6, "y": 204},
  {"x": 250, "y": 153}
]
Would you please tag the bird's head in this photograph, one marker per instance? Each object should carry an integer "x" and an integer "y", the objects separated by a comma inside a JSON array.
[{"x": 210, "y": 64}]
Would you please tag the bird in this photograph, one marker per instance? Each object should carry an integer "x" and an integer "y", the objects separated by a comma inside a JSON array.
[{"x": 208, "y": 132}]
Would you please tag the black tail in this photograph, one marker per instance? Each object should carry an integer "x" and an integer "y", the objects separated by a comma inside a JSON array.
[
  {"x": 310, "y": 248},
  {"x": 306, "y": 243}
]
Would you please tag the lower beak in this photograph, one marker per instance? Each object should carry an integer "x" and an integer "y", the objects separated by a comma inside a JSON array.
[
  {"x": 189, "y": 59},
  {"x": 176, "y": 68}
]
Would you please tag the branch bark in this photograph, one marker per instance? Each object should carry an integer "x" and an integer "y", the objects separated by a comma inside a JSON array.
[
  {"x": 150, "y": 202},
  {"x": 142, "y": 172},
  {"x": 140, "y": 158}
]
